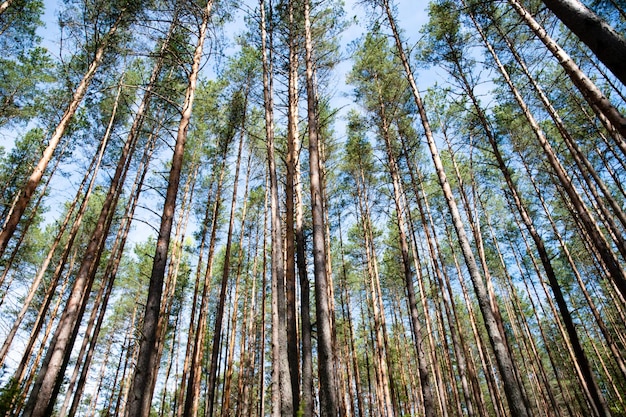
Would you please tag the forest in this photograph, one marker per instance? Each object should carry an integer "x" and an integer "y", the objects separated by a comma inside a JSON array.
[{"x": 313, "y": 208}]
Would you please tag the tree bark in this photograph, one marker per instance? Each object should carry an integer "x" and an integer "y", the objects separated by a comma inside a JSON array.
[
  {"x": 290, "y": 249},
  {"x": 416, "y": 326},
  {"x": 280, "y": 359},
  {"x": 217, "y": 333},
  {"x": 514, "y": 393},
  {"x": 614, "y": 122},
  {"x": 34, "y": 179},
  {"x": 326, "y": 360},
  {"x": 147, "y": 361},
  {"x": 43, "y": 396},
  {"x": 191, "y": 403},
  {"x": 617, "y": 273},
  {"x": 604, "y": 41}
]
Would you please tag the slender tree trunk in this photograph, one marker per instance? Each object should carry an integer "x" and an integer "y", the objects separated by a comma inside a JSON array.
[
  {"x": 614, "y": 122},
  {"x": 434, "y": 366},
  {"x": 280, "y": 358},
  {"x": 416, "y": 326},
  {"x": 485, "y": 358},
  {"x": 197, "y": 320},
  {"x": 326, "y": 360},
  {"x": 381, "y": 350},
  {"x": 111, "y": 273},
  {"x": 104, "y": 289},
  {"x": 345, "y": 298},
  {"x": 34, "y": 287},
  {"x": 43, "y": 396},
  {"x": 147, "y": 361},
  {"x": 305, "y": 302},
  {"x": 103, "y": 367},
  {"x": 536, "y": 308},
  {"x": 290, "y": 262},
  {"x": 261, "y": 402},
  {"x": 514, "y": 393},
  {"x": 587, "y": 389},
  {"x": 191, "y": 402},
  {"x": 617, "y": 273},
  {"x": 604, "y": 41},
  {"x": 4, "y": 6},
  {"x": 34, "y": 214},
  {"x": 231, "y": 347},
  {"x": 248, "y": 337},
  {"x": 580, "y": 158},
  {"x": 217, "y": 333},
  {"x": 116, "y": 391},
  {"x": 37, "y": 174},
  {"x": 528, "y": 222},
  {"x": 447, "y": 298}
]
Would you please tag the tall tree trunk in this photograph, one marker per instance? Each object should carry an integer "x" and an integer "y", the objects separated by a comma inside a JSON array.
[
  {"x": 104, "y": 289},
  {"x": 326, "y": 360},
  {"x": 584, "y": 381},
  {"x": 290, "y": 261},
  {"x": 261, "y": 380},
  {"x": 148, "y": 361},
  {"x": 217, "y": 333},
  {"x": 111, "y": 272},
  {"x": 447, "y": 297},
  {"x": 604, "y": 41},
  {"x": 134, "y": 134},
  {"x": 514, "y": 393},
  {"x": 345, "y": 305},
  {"x": 416, "y": 326},
  {"x": 617, "y": 273},
  {"x": 434, "y": 366},
  {"x": 34, "y": 287},
  {"x": 34, "y": 179},
  {"x": 579, "y": 157},
  {"x": 379, "y": 338},
  {"x": 280, "y": 360},
  {"x": 301, "y": 263},
  {"x": 529, "y": 224},
  {"x": 240, "y": 263},
  {"x": 191, "y": 403},
  {"x": 43, "y": 395},
  {"x": 248, "y": 336},
  {"x": 615, "y": 123}
]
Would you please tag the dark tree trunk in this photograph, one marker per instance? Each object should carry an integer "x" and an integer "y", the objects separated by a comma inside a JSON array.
[{"x": 604, "y": 41}]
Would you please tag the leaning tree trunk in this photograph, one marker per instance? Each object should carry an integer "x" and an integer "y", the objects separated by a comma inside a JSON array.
[
  {"x": 192, "y": 396},
  {"x": 416, "y": 325},
  {"x": 614, "y": 122},
  {"x": 616, "y": 271},
  {"x": 37, "y": 174},
  {"x": 148, "y": 361},
  {"x": 48, "y": 383},
  {"x": 217, "y": 333},
  {"x": 240, "y": 263},
  {"x": 34, "y": 287},
  {"x": 513, "y": 390},
  {"x": 604, "y": 41},
  {"x": 587, "y": 373}
]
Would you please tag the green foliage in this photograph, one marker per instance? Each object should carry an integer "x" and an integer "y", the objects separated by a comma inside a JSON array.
[
  {"x": 18, "y": 25},
  {"x": 21, "y": 82},
  {"x": 9, "y": 393}
]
